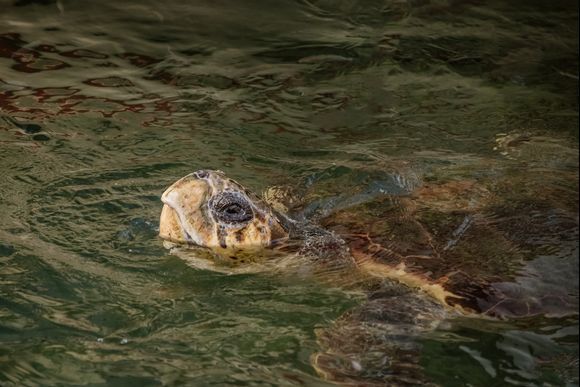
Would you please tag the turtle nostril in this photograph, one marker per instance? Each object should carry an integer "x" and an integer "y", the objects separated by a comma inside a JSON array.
[{"x": 201, "y": 174}]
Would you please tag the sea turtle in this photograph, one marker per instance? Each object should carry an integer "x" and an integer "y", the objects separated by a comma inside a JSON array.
[{"x": 423, "y": 254}]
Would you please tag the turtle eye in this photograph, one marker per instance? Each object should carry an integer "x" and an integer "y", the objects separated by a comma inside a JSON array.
[{"x": 231, "y": 208}]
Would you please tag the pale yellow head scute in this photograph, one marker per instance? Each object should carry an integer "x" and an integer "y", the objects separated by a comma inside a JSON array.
[{"x": 208, "y": 209}]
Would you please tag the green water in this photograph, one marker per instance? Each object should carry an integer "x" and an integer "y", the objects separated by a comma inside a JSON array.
[{"x": 105, "y": 104}]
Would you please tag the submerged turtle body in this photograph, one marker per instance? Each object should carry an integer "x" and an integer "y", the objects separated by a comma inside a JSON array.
[
  {"x": 460, "y": 242},
  {"x": 422, "y": 256}
]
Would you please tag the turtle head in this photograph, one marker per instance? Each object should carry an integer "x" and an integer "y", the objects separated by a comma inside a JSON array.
[{"x": 206, "y": 208}]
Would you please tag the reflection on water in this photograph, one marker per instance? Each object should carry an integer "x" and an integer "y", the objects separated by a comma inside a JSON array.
[{"x": 103, "y": 105}]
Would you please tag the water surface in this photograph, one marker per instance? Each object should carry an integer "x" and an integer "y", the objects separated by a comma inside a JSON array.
[{"x": 104, "y": 104}]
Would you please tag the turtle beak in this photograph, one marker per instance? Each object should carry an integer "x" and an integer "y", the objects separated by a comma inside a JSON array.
[
  {"x": 181, "y": 219},
  {"x": 170, "y": 227}
]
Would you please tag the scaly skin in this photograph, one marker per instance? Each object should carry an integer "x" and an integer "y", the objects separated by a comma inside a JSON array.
[{"x": 188, "y": 216}]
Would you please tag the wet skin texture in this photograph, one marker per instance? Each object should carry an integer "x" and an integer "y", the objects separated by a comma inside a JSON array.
[{"x": 207, "y": 209}]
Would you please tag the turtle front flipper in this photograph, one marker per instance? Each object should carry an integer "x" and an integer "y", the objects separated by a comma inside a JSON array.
[{"x": 377, "y": 343}]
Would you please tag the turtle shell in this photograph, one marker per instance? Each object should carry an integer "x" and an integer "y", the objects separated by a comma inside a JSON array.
[
  {"x": 466, "y": 243},
  {"x": 502, "y": 245}
]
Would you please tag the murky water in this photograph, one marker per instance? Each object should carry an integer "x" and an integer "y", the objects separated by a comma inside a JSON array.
[{"x": 104, "y": 104}]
